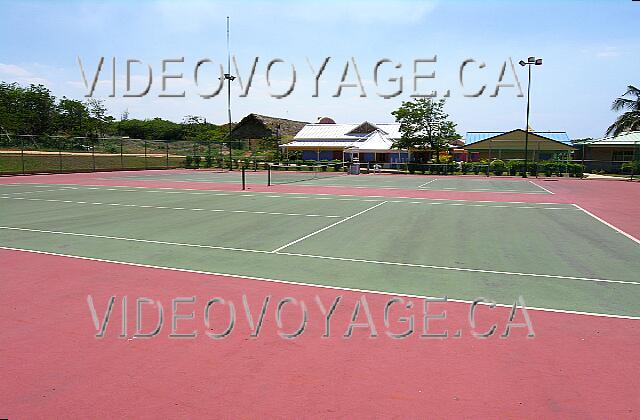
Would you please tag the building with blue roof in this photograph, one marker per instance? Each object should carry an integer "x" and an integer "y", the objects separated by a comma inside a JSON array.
[{"x": 543, "y": 145}]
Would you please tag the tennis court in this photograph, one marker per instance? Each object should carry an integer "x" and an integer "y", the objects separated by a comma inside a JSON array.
[
  {"x": 424, "y": 247},
  {"x": 341, "y": 179},
  {"x": 571, "y": 254}
]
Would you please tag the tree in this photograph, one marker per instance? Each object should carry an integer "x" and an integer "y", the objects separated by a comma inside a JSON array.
[
  {"x": 36, "y": 110},
  {"x": 72, "y": 117},
  {"x": 10, "y": 94},
  {"x": 198, "y": 129},
  {"x": 629, "y": 120},
  {"x": 99, "y": 121},
  {"x": 424, "y": 126}
]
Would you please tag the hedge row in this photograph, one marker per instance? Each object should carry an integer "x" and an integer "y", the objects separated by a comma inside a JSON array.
[{"x": 550, "y": 168}]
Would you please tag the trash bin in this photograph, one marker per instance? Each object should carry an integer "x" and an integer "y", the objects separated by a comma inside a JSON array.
[{"x": 354, "y": 169}]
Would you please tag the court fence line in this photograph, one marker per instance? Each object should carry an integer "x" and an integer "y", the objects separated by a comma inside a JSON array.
[{"x": 31, "y": 154}]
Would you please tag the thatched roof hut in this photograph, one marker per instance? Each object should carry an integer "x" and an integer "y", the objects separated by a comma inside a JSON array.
[{"x": 255, "y": 126}]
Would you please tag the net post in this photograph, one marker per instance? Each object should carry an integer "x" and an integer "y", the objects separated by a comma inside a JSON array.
[
  {"x": 268, "y": 175},
  {"x": 244, "y": 179}
]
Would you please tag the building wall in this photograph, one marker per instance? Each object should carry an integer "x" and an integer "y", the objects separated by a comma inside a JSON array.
[
  {"x": 322, "y": 155},
  {"x": 533, "y": 155},
  {"x": 608, "y": 153}
]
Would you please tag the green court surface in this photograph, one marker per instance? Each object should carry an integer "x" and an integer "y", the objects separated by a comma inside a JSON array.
[
  {"x": 471, "y": 184},
  {"x": 554, "y": 255}
]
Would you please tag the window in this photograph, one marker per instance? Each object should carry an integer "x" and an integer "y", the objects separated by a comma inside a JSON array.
[{"x": 622, "y": 155}]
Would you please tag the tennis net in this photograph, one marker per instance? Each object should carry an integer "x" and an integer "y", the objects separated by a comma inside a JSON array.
[{"x": 286, "y": 174}]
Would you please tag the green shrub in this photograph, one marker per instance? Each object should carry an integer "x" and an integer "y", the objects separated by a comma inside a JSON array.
[
  {"x": 575, "y": 170},
  {"x": 449, "y": 168},
  {"x": 196, "y": 161},
  {"x": 631, "y": 168},
  {"x": 110, "y": 148},
  {"x": 208, "y": 161},
  {"x": 498, "y": 167},
  {"x": 188, "y": 161}
]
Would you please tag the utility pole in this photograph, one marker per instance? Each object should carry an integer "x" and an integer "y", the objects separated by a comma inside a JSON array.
[
  {"x": 531, "y": 61},
  {"x": 229, "y": 78}
]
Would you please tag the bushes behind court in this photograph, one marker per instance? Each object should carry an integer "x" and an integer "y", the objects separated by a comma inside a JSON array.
[
  {"x": 631, "y": 168},
  {"x": 499, "y": 167}
]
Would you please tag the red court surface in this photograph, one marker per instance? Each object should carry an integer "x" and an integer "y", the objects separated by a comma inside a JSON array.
[{"x": 576, "y": 366}]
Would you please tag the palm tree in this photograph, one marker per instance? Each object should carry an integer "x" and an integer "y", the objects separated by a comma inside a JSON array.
[{"x": 630, "y": 120}]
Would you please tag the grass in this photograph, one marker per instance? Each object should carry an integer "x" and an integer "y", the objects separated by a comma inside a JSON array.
[{"x": 12, "y": 163}]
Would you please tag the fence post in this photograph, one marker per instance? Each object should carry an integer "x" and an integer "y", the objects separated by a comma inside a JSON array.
[
  {"x": 22, "y": 153},
  {"x": 121, "y": 153},
  {"x": 60, "y": 153},
  {"x": 145, "y": 154},
  {"x": 166, "y": 145},
  {"x": 93, "y": 153}
]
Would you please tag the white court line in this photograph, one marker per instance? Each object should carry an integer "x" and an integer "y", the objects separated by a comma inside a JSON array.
[
  {"x": 119, "y": 238},
  {"x": 540, "y": 186},
  {"x": 9, "y": 196},
  {"x": 34, "y": 192},
  {"x": 51, "y": 200},
  {"x": 633, "y": 238},
  {"x": 486, "y": 191},
  {"x": 391, "y": 263},
  {"x": 473, "y": 270},
  {"x": 213, "y": 181},
  {"x": 287, "y": 195},
  {"x": 426, "y": 183},
  {"x": 311, "y": 285},
  {"x": 327, "y": 227}
]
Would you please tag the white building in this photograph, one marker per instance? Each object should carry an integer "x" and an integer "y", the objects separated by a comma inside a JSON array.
[{"x": 327, "y": 140}]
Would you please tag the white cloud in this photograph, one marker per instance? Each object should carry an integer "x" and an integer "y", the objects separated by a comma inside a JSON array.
[
  {"x": 609, "y": 52},
  {"x": 13, "y": 70},
  {"x": 15, "y": 73}
]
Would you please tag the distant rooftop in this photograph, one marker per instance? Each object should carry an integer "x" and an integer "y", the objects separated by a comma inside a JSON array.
[
  {"x": 476, "y": 136},
  {"x": 626, "y": 139},
  {"x": 347, "y": 131}
]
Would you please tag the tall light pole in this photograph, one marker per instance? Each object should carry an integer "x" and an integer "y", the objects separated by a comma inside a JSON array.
[
  {"x": 229, "y": 78},
  {"x": 531, "y": 61}
]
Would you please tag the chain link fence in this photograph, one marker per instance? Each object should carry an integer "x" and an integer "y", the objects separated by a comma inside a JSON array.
[{"x": 30, "y": 154}]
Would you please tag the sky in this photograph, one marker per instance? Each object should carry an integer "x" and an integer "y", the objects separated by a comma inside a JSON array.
[{"x": 590, "y": 52}]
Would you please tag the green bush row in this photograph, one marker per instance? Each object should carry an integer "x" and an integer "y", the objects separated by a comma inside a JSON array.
[
  {"x": 550, "y": 168},
  {"x": 432, "y": 168},
  {"x": 631, "y": 168}
]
